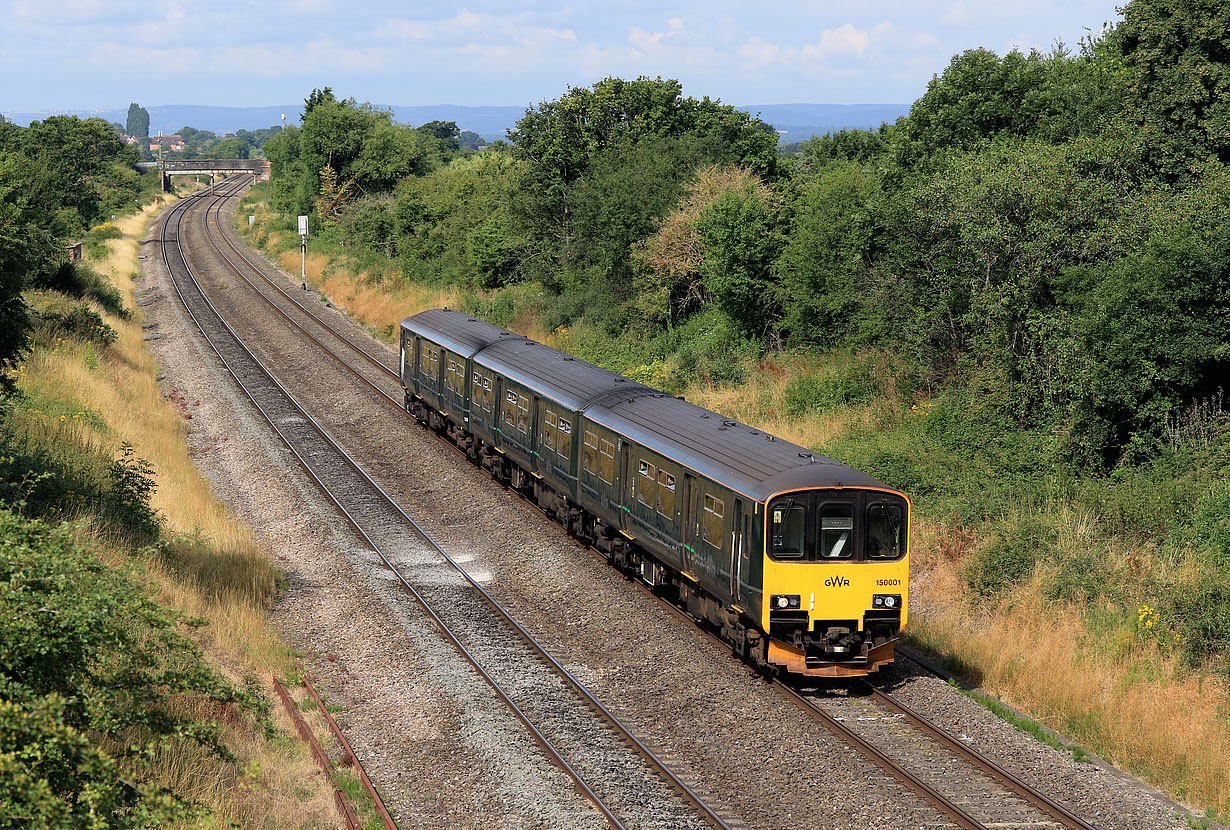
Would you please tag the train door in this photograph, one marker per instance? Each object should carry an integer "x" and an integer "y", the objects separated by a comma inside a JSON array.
[
  {"x": 737, "y": 548},
  {"x": 691, "y": 522}
]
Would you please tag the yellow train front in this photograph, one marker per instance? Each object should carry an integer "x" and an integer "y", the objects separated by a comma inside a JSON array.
[{"x": 835, "y": 579}]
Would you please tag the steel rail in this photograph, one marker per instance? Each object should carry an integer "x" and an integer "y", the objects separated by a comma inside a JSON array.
[
  {"x": 1017, "y": 786},
  {"x": 924, "y": 790},
  {"x": 671, "y": 778}
]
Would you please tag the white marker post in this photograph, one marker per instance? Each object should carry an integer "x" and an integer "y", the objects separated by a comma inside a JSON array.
[{"x": 303, "y": 233}]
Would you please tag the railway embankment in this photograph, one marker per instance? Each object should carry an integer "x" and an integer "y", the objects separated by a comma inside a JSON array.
[
  {"x": 1096, "y": 603},
  {"x": 137, "y": 652}
]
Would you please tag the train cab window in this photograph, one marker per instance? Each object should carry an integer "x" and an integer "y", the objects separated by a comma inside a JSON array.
[
  {"x": 564, "y": 442},
  {"x": 666, "y": 494},
  {"x": 606, "y": 461},
  {"x": 523, "y": 414},
  {"x": 836, "y": 531},
  {"x": 885, "y": 531},
  {"x": 589, "y": 458},
  {"x": 789, "y": 530},
  {"x": 646, "y": 479},
  {"x": 711, "y": 523},
  {"x": 547, "y": 439}
]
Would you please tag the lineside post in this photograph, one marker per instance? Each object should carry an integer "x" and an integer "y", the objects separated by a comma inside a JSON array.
[{"x": 303, "y": 233}]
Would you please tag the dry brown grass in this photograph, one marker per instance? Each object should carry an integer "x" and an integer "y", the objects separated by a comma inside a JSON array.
[
  {"x": 274, "y": 784},
  {"x": 378, "y": 305}
]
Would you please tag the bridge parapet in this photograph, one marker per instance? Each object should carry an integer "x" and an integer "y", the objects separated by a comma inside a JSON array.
[{"x": 259, "y": 168}]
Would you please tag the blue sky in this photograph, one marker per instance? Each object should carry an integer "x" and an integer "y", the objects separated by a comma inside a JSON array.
[{"x": 69, "y": 54}]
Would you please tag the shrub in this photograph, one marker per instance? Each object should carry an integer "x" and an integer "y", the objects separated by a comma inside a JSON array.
[
  {"x": 81, "y": 281},
  {"x": 94, "y": 681},
  {"x": 827, "y": 390},
  {"x": 56, "y": 315},
  {"x": 1011, "y": 556}
]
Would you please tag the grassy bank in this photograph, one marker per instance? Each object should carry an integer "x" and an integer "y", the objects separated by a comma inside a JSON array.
[
  {"x": 92, "y": 446},
  {"x": 1099, "y": 604}
]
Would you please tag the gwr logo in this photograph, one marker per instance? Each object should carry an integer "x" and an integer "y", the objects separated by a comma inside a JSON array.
[{"x": 837, "y": 582}]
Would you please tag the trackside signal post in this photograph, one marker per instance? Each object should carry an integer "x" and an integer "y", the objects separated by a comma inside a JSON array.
[{"x": 303, "y": 233}]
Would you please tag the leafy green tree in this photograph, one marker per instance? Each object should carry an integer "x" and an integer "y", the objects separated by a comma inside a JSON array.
[
  {"x": 316, "y": 98},
  {"x": 468, "y": 140},
  {"x": 231, "y": 147},
  {"x": 822, "y": 269},
  {"x": 737, "y": 233},
  {"x": 138, "y": 121},
  {"x": 446, "y": 132},
  {"x": 1177, "y": 59}
]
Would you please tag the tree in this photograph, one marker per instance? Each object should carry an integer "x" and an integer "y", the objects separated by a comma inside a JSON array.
[
  {"x": 315, "y": 99},
  {"x": 1177, "y": 58},
  {"x": 446, "y": 132},
  {"x": 138, "y": 121},
  {"x": 737, "y": 235},
  {"x": 231, "y": 147}
]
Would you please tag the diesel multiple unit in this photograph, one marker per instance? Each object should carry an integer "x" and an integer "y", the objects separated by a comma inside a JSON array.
[{"x": 801, "y": 563}]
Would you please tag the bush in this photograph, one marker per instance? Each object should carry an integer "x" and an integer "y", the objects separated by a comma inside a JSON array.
[
  {"x": 95, "y": 680},
  {"x": 1011, "y": 557},
  {"x": 56, "y": 315},
  {"x": 828, "y": 390},
  {"x": 81, "y": 281}
]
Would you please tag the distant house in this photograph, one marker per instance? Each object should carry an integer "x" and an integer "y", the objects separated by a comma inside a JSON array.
[
  {"x": 172, "y": 143},
  {"x": 129, "y": 139}
]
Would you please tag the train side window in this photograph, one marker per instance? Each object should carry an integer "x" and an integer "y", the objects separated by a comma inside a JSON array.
[
  {"x": 589, "y": 457},
  {"x": 488, "y": 394},
  {"x": 510, "y": 410},
  {"x": 606, "y": 461},
  {"x": 885, "y": 526},
  {"x": 789, "y": 530},
  {"x": 547, "y": 439},
  {"x": 476, "y": 391},
  {"x": 836, "y": 530},
  {"x": 666, "y": 494},
  {"x": 711, "y": 524},
  {"x": 523, "y": 414},
  {"x": 646, "y": 476},
  {"x": 564, "y": 443}
]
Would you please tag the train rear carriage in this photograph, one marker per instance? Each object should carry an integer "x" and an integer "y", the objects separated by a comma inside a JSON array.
[
  {"x": 437, "y": 348},
  {"x": 770, "y": 538}
]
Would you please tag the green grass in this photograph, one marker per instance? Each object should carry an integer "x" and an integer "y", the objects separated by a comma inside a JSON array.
[{"x": 1026, "y": 725}]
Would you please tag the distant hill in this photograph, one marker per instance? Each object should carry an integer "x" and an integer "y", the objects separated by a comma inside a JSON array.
[{"x": 796, "y": 122}]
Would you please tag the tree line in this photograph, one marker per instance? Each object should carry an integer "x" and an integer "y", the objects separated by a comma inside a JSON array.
[{"x": 1045, "y": 226}]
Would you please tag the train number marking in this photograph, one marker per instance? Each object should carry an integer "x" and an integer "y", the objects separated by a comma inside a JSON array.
[{"x": 888, "y": 582}]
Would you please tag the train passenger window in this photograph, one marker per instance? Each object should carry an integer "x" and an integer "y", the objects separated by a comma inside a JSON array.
[
  {"x": 789, "y": 530},
  {"x": 547, "y": 439},
  {"x": 510, "y": 410},
  {"x": 711, "y": 524},
  {"x": 606, "y": 461},
  {"x": 523, "y": 414},
  {"x": 646, "y": 477},
  {"x": 666, "y": 494},
  {"x": 564, "y": 443},
  {"x": 836, "y": 531},
  {"x": 476, "y": 391},
  {"x": 589, "y": 458},
  {"x": 885, "y": 526},
  {"x": 488, "y": 395}
]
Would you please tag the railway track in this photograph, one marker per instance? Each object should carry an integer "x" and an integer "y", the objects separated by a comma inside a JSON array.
[
  {"x": 965, "y": 787},
  {"x": 596, "y": 751}
]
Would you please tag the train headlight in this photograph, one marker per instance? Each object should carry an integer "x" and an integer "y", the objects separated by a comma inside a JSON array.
[
  {"x": 784, "y": 601},
  {"x": 886, "y": 601}
]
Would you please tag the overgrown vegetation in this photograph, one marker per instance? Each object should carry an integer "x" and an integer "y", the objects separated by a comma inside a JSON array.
[
  {"x": 134, "y": 646},
  {"x": 1014, "y": 304}
]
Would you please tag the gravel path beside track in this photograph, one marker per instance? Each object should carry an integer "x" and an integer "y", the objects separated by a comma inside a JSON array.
[{"x": 431, "y": 738}]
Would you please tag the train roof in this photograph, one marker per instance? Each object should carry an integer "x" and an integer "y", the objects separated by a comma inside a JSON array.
[
  {"x": 457, "y": 332},
  {"x": 570, "y": 381},
  {"x": 748, "y": 460}
]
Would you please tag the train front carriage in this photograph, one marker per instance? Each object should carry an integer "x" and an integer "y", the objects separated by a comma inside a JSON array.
[{"x": 836, "y": 568}]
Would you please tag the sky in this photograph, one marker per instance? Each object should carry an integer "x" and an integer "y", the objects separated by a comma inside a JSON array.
[{"x": 103, "y": 54}]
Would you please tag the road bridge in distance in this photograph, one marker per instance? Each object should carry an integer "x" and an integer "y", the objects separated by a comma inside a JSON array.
[{"x": 258, "y": 168}]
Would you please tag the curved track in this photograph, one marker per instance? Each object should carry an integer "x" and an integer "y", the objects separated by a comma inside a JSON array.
[
  {"x": 383, "y": 525},
  {"x": 972, "y": 792}
]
